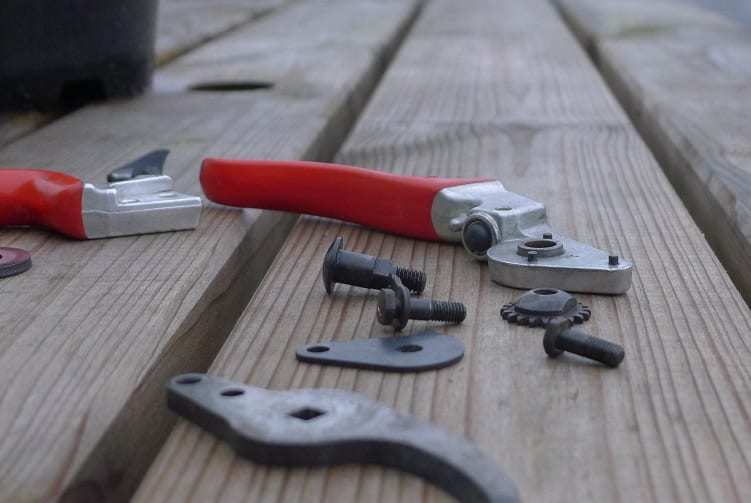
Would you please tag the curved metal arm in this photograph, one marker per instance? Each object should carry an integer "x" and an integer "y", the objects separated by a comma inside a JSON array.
[{"x": 318, "y": 427}]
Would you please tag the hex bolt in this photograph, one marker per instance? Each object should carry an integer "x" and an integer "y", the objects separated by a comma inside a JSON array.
[
  {"x": 359, "y": 269},
  {"x": 560, "y": 337},
  {"x": 396, "y": 307}
]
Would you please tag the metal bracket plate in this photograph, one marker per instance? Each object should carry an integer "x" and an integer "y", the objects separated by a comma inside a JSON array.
[
  {"x": 138, "y": 206},
  {"x": 411, "y": 353},
  {"x": 317, "y": 427},
  {"x": 579, "y": 268}
]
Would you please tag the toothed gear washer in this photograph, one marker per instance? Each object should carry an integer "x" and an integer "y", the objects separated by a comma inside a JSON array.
[{"x": 538, "y": 307}]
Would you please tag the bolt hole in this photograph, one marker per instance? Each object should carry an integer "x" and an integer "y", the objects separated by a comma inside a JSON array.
[
  {"x": 540, "y": 243},
  {"x": 231, "y": 86},
  {"x": 409, "y": 348},
  {"x": 545, "y": 291},
  {"x": 232, "y": 392},
  {"x": 306, "y": 413},
  {"x": 189, "y": 380},
  {"x": 318, "y": 349}
]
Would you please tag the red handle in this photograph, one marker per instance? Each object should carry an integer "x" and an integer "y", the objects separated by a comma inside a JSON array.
[
  {"x": 392, "y": 203},
  {"x": 44, "y": 198}
]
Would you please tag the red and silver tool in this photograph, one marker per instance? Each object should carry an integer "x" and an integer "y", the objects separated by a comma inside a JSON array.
[
  {"x": 138, "y": 200},
  {"x": 508, "y": 230}
]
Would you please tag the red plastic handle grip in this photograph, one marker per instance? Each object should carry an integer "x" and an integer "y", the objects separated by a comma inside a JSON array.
[
  {"x": 44, "y": 198},
  {"x": 384, "y": 201}
]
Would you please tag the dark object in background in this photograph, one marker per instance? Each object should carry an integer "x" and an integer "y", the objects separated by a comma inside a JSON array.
[{"x": 63, "y": 53}]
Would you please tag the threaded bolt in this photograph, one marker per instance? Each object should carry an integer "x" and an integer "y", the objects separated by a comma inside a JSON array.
[
  {"x": 560, "y": 337},
  {"x": 359, "y": 269},
  {"x": 396, "y": 307}
]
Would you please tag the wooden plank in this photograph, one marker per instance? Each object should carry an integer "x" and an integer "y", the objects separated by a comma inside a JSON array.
[
  {"x": 633, "y": 18},
  {"x": 737, "y": 10},
  {"x": 500, "y": 88},
  {"x": 185, "y": 24},
  {"x": 685, "y": 86},
  {"x": 89, "y": 335},
  {"x": 16, "y": 124},
  {"x": 182, "y": 26}
]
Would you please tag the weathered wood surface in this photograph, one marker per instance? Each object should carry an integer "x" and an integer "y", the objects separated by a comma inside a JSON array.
[
  {"x": 182, "y": 25},
  {"x": 501, "y": 88},
  {"x": 593, "y": 19},
  {"x": 90, "y": 334},
  {"x": 686, "y": 88},
  {"x": 737, "y": 10}
]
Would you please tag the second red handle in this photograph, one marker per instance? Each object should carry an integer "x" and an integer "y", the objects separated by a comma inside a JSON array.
[{"x": 392, "y": 203}]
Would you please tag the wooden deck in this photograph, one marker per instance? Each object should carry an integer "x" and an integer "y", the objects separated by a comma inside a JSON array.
[{"x": 630, "y": 123}]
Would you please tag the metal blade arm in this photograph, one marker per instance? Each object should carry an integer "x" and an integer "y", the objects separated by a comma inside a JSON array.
[{"x": 330, "y": 427}]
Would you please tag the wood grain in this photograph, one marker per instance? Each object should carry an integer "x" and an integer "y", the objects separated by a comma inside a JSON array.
[
  {"x": 89, "y": 335},
  {"x": 686, "y": 88},
  {"x": 500, "y": 88},
  {"x": 186, "y": 24}
]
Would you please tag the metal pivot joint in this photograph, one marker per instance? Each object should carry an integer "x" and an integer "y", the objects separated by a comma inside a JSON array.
[
  {"x": 359, "y": 269},
  {"x": 319, "y": 427},
  {"x": 396, "y": 307},
  {"x": 511, "y": 232},
  {"x": 560, "y": 337}
]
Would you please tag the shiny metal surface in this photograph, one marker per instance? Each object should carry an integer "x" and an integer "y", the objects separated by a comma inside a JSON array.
[
  {"x": 518, "y": 255},
  {"x": 139, "y": 206}
]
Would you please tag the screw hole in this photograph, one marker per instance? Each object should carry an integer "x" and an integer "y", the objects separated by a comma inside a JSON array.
[
  {"x": 232, "y": 392},
  {"x": 409, "y": 348},
  {"x": 540, "y": 243},
  {"x": 318, "y": 349},
  {"x": 306, "y": 413},
  {"x": 189, "y": 380},
  {"x": 545, "y": 291},
  {"x": 231, "y": 86}
]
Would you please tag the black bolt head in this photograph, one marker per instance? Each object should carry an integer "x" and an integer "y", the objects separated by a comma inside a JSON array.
[
  {"x": 478, "y": 237},
  {"x": 552, "y": 331},
  {"x": 329, "y": 264}
]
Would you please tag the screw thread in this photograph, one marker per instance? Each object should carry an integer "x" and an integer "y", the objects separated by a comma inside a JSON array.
[
  {"x": 412, "y": 279},
  {"x": 594, "y": 348},
  {"x": 454, "y": 312}
]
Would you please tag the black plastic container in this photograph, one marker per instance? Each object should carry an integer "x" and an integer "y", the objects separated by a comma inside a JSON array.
[{"x": 65, "y": 52}]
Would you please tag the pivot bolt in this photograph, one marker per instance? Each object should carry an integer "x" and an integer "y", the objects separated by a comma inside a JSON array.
[
  {"x": 560, "y": 337},
  {"x": 396, "y": 307},
  {"x": 358, "y": 269}
]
